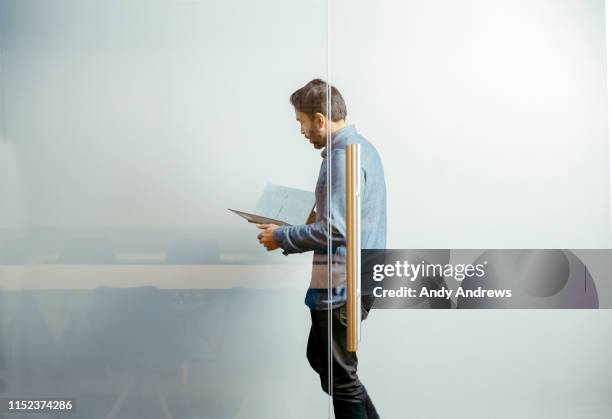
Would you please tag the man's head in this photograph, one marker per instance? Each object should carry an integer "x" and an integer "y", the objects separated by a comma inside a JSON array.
[{"x": 310, "y": 104}]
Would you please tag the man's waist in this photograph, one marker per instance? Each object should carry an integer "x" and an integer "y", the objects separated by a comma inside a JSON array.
[
  {"x": 322, "y": 298},
  {"x": 334, "y": 248}
]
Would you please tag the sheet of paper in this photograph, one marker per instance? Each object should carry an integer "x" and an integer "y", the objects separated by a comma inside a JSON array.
[{"x": 287, "y": 204}]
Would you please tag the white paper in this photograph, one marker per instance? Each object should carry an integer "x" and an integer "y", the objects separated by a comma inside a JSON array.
[{"x": 290, "y": 205}]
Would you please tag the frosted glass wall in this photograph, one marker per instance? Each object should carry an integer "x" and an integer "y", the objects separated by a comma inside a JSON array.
[
  {"x": 127, "y": 130},
  {"x": 491, "y": 120},
  {"x": 490, "y": 116}
]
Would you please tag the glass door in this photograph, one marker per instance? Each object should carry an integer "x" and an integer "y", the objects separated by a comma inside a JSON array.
[
  {"x": 484, "y": 156},
  {"x": 127, "y": 287}
]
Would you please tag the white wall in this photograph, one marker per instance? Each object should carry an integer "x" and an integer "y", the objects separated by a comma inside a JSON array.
[
  {"x": 157, "y": 113},
  {"x": 491, "y": 118},
  {"x": 12, "y": 210}
]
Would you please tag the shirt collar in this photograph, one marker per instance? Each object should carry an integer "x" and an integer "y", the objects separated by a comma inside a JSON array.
[{"x": 338, "y": 136}]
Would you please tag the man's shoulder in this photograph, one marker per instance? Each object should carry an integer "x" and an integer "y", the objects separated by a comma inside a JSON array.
[
  {"x": 356, "y": 138},
  {"x": 368, "y": 149}
]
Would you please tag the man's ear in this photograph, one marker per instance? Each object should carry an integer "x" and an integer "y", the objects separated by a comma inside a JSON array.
[{"x": 320, "y": 120}]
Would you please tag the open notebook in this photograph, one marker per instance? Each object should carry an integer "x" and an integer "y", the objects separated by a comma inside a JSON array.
[{"x": 281, "y": 205}]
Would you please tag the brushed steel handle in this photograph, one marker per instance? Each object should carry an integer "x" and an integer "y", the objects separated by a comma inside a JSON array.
[{"x": 353, "y": 246}]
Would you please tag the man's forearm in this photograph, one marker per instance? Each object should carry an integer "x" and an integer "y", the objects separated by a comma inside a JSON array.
[{"x": 302, "y": 238}]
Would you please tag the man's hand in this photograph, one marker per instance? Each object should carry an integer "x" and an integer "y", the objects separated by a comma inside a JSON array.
[{"x": 266, "y": 237}]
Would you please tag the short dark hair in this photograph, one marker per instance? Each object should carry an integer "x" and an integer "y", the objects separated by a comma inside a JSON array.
[{"x": 312, "y": 98}]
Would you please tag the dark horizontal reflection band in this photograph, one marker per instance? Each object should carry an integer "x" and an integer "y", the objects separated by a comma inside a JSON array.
[{"x": 486, "y": 279}]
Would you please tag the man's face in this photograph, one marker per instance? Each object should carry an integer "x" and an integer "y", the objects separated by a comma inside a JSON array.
[{"x": 312, "y": 128}]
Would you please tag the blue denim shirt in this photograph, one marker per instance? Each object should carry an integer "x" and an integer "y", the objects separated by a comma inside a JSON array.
[{"x": 307, "y": 237}]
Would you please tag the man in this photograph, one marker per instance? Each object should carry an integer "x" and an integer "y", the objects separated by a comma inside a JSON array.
[{"x": 350, "y": 397}]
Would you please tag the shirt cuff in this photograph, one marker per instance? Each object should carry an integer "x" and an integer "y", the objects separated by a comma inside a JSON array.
[{"x": 280, "y": 236}]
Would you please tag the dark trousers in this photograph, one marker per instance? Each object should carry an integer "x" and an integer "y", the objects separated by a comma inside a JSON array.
[{"x": 351, "y": 400}]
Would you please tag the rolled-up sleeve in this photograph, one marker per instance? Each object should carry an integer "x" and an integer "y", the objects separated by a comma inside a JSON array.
[
  {"x": 302, "y": 238},
  {"x": 307, "y": 237}
]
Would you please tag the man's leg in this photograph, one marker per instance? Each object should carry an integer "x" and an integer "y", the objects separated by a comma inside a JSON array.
[
  {"x": 371, "y": 412},
  {"x": 347, "y": 386},
  {"x": 315, "y": 349},
  {"x": 350, "y": 397}
]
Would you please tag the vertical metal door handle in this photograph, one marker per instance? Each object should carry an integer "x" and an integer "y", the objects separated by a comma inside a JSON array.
[{"x": 353, "y": 246}]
